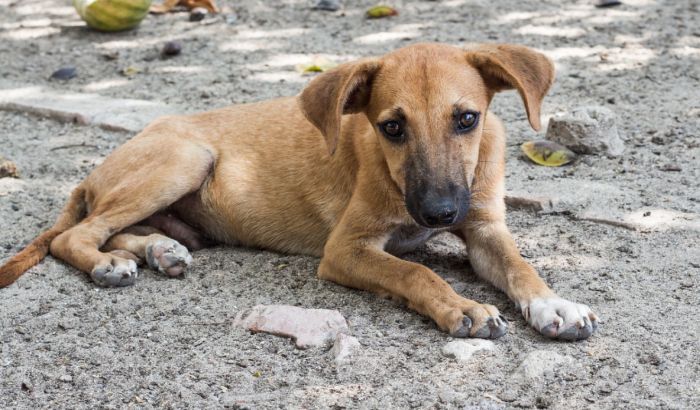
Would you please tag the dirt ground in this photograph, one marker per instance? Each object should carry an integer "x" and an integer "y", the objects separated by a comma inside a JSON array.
[{"x": 164, "y": 343}]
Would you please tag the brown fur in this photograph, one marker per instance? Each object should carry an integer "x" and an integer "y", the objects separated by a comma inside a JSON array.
[{"x": 261, "y": 175}]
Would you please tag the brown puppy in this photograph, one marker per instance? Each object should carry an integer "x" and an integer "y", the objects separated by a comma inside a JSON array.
[{"x": 410, "y": 150}]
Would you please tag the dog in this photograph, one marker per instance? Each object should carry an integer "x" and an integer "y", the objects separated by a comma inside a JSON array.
[{"x": 369, "y": 161}]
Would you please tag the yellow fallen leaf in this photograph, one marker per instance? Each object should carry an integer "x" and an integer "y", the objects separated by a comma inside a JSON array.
[
  {"x": 130, "y": 71},
  {"x": 547, "y": 153},
  {"x": 168, "y": 5},
  {"x": 378, "y": 12},
  {"x": 317, "y": 65}
]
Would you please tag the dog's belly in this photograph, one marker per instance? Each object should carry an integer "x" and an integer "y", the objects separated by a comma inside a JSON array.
[{"x": 408, "y": 238}]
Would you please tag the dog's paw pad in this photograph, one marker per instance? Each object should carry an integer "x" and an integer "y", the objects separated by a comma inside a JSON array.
[
  {"x": 464, "y": 329},
  {"x": 168, "y": 257},
  {"x": 561, "y": 319},
  {"x": 121, "y": 272},
  {"x": 494, "y": 328}
]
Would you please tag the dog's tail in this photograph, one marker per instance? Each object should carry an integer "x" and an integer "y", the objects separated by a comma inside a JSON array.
[{"x": 33, "y": 253}]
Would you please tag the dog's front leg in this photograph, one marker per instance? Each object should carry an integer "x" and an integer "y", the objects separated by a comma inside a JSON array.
[
  {"x": 495, "y": 257},
  {"x": 355, "y": 258}
]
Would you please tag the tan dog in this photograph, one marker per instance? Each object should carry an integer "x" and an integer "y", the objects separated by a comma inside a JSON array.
[{"x": 410, "y": 150}]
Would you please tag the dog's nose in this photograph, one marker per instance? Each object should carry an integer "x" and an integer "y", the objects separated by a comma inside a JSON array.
[{"x": 442, "y": 213}]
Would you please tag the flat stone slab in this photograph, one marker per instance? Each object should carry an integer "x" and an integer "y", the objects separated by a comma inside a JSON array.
[
  {"x": 308, "y": 327},
  {"x": 462, "y": 350},
  {"x": 597, "y": 202},
  {"x": 83, "y": 108}
]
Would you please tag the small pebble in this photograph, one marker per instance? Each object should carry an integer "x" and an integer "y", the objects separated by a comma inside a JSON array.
[
  {"x": 66, "y": 378},
  {"x": 328, "y": 5},
  {"x": 608, "y": 3},
  {"x": 64, "y": 73},
  {"x": 171, "y": 49},
  {"x": 198, "y": 14}
]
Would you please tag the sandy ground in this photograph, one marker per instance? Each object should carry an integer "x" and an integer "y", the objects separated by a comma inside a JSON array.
[{"x": 65, "y": 343}]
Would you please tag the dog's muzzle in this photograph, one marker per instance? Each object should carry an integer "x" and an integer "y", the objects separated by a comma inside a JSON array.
[{"x": 435, "y": 208}]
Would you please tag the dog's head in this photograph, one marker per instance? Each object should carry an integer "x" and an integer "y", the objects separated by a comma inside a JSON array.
[{"x": 427, "y": 104}]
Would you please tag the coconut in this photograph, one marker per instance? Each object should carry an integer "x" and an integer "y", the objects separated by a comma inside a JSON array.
[{"x": 112, "y": 15}]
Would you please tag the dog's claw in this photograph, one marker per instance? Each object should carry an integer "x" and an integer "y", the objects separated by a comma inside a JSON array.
[
  {"x": 464, "y": 330},
  {"x": 117, "y": 274},
  {"x": 493, "y": 329}
]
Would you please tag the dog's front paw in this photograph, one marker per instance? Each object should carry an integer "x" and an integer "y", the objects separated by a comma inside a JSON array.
[
  {"x": 478, "y": 320},
  {"x": 559, "y": 318}
]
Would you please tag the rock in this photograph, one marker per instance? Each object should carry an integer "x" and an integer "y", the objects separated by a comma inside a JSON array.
[
  {"x": 328, "y": 5},
  {"x": 171, "y": 49},
  {"x": 83, "y": 108},
  {"x": 529, "y": 202},
  {"x": 539, "y": 362},
  {"x": 64, "y": 73},
  {"x": 607, "y": 3},
  {"x": 308, "y": 327},
  {"x": 587, "y": 130},
  {"x": 459, "y": 287},
  {"x": 565, "y": 195},
  {"x": 462, "y": 350},
  {"x": 8, "y": 168},
  {"x": 66, "y": 378},
  {"x": 344, "y": 347},
  {"x": 198, "y": 14}
]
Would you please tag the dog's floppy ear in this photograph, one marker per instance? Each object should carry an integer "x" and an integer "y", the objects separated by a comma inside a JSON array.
[
  {"x": 506, "y": 66},
  {"x": 343, "y": 90}
]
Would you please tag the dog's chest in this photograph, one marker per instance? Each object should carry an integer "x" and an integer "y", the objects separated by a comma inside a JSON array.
[{"x": 407, "y": 238}]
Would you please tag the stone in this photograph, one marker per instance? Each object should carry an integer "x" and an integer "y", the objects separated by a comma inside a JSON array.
[
  {"x": 64, "y": 73},
  {"x": 462, "y": 350},
  {"x": 8, "y": 168},
  {"x": 587, "y": 130},
  {"x": 66, "y": 378},
  {"x": 308, "y": 327},
  {"x": 198, "y": 14},
  {"x": 328, "y": 5},
  {"x": 84, "y": 108},
  {"x": 344, "y": 347},
  {"x": 539, "y": 362}
]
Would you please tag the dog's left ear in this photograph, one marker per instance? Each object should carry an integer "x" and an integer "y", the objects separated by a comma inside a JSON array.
[
  {"x": 505, "y": 66},
  {"x": 342, "y": 90}
]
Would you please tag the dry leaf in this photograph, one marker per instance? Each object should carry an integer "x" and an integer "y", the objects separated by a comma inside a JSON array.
[
  {"x": 378, "y": 12},
  {"x": 548, "y": 153},
  {"x": 168, "y": 5},
  {"x": 317, "y": 65},
  {"x": 130, "y": 71}
]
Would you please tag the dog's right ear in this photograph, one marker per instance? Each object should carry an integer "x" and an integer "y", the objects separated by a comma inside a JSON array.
[{"x": 345, "y": 89}]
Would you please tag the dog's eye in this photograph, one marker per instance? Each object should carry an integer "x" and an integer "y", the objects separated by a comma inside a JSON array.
[
  {"x": 467, "y": 121},
  {"x": 392, "y": 130}
]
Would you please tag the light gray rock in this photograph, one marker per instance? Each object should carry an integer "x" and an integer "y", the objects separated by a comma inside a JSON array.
[
  {"x": 344, "y": 347},
  {"x": 83, "y": 108},
  {"x": 587, "y": 130},
  {"x": 462, "y": 350},
  {"x": 308, "y": 327},
  {"x": 539, "y": 362}
]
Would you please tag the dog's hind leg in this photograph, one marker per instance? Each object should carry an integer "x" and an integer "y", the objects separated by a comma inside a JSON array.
[{"x": 144, "y": 176}]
